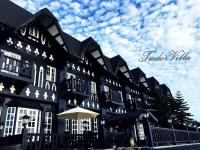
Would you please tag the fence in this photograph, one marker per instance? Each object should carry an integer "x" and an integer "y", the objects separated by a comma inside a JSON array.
[{"x": 166, "y": 136}]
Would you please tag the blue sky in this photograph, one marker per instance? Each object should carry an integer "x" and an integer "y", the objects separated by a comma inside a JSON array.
[{"x": 130, "y": 28}]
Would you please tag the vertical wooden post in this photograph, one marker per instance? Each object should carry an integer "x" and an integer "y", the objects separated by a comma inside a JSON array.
[
  {"x": 25, "y": 138},
  {"x": 150, "y": 139}
]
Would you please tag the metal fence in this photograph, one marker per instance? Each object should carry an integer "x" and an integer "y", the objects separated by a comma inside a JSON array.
[{"x": 166, "y": 136}]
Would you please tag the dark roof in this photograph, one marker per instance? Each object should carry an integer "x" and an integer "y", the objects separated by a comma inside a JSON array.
[
  {"x": 165, "y": 89},
  {"x": 136, "y": 73},
  {"x": 109, "y": 64},
  {"x": 152, "y": 82},
  {"x": 12, "y": 14},
  {"x": 73, "y": 44}
]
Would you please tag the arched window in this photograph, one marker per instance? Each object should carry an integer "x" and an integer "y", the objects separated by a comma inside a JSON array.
[
  {"x": 47, "y": 85},
  {"x": 35, "y": 74},
  {"x": 41, "y": 77},
  {"x": 53, "y": 87}
]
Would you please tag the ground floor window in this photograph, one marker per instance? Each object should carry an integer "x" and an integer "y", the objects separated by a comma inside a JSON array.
[
  {"x": 79, "y": 126},
  {"x": 67, "y": 125},
  {"x": 48, "y": 122},
  {"x": 95, "y": 123},
  {"x": 9, "y": 124},
  {"x": 33, "y": 123}
]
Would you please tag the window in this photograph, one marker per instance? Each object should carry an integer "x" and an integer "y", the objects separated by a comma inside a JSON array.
[
  {"x": 141, "y": 131},
  {"x": 95, "y": 121},
  {"x": 83, "y": 127},
  {"x": 33, "y": 31},
  {"x": 48, "y": 122},
  {"x": 51, "y": 74},
  {"x": 93, "y": 87},
  {"x": 74, "y": 126},
  {"x": 78, "y": 126},
  {"x": 67, "y": 125},
  {"x": 106, "y": 88},
  {"x": 70, "y": 75},
  {"x": 35, "y": 73},
  {"x": 47, "y": 85},
  {"x": 10, "y": 63},
  {"x": 10, "y": 118},
  {"x": 93, "y": 91},
  {"x": 41, "y": 77},
  {"x": 33, "y": 121}
]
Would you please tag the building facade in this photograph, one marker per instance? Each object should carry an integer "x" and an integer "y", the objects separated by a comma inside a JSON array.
[{"x": 45, "y": 71}]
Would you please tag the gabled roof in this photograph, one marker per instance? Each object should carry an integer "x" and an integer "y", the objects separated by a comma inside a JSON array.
[
  {"x": 49, "y": 21},
  {"x": 152, "y": 82},
  {"x": 139, "y": 76},
  {"x": 166, "y": 90},
  {"x": 73, "y": 44},
  {"x": 109, "y": 64},
  {"x": 117, "y": 63},
  {"x": 12, "y": 14}
]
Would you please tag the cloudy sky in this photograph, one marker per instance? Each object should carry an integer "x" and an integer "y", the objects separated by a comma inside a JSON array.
[{"x": 130, "y": 28}]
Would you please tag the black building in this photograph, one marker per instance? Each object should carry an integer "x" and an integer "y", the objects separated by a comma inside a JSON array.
[{"x": 45, "y": 71}]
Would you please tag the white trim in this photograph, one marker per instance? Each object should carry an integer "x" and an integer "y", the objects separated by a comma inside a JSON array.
[
  {"x": 10, "y": 120},
  {"x": 32, "y": 126},
  {"x": 35, "y": 74},
  {"x": 41, "y": 77},
  {"x": 48, "y": 122}
]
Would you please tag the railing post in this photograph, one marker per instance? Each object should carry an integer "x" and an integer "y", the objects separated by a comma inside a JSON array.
[
  {"x": 188, "y": 135},
  {"x": 174, "y": 134}
]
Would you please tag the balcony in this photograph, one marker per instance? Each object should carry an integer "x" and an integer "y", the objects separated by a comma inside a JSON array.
[
  {"x": 77, "y": 88},
  {"x": 15, "y": 71},
  {"x": 113, "y": 98}
]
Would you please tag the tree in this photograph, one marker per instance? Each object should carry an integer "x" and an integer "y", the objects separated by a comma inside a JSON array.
[
  {"x": 180, "y": 113},
  {"x": 162, "y": 107}
]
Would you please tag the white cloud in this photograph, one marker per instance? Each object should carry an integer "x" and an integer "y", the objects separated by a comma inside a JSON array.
[{"x": 121, "y": 27}]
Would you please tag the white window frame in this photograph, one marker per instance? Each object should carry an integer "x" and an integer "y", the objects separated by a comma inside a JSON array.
[
  {"x": 41, "y": 77},
  {"x": 67, "y": 125},
  {"x": 93, "y": 87},
  {"x": 10, "y": 121},
  {"x": 74, "y": 126},
  {"x": 81, "y": 126},
  {"x": 95, "y": 124},
  {"x": 48, "y": 122},
  {"x": 35, "y": 74},
  {"x": 33, "y": 123},
  {"x": 12, "y": 63},
  {"x": 77, "y": 126},
  {"x": 51, "y": 74}
]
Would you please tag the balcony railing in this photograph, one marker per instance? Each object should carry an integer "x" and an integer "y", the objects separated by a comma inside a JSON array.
[
  {"x": 166, "y": 136},
  {"x": 78, "y": 87},
  {"x": 113, "y": 97},
  {"x": 15, "y": 68}
]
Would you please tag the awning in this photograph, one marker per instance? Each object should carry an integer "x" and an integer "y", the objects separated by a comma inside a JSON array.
[{"x": 24, "y": 103}]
